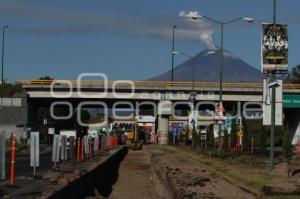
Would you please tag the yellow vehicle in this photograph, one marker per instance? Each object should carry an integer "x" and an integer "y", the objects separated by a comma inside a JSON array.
[{"x": 130, "y": 135}]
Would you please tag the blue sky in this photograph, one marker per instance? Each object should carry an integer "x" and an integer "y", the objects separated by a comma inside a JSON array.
[{"x": 128, "y": 39}]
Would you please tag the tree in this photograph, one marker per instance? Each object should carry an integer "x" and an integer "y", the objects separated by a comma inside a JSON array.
[
  {"x": 46, "y": 78},
  {"x": 263, "y": 136},
  {"x": 233, "y": 133},
  {"x": 294, "y": 75},
  {"x": 287, "y": 145},
  {"x": 226, "y": 138},
  {"x": 246, "y": 135},
  {"x": 210, "y": 137},
  {"x": 8, "y": 90}
]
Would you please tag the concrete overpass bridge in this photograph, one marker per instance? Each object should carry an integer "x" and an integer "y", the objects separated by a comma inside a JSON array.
[
  {"x": 43, "y": 93},
  {"x": 146, "y": 90}
]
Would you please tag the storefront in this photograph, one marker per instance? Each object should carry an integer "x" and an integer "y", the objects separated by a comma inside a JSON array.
[{"x": 145, "y": 128}]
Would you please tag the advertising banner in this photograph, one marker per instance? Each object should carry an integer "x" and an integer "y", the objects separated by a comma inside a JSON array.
[{"x": 274, "y": 48}]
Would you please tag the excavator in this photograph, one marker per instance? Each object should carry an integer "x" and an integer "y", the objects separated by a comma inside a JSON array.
[{"x": 136, "y": 143}]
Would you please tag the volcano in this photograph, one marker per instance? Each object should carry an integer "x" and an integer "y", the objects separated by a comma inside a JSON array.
[{"x": 207, "y": 69}]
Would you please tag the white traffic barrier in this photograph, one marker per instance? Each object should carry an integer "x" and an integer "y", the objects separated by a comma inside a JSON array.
[
  {"x": 96, "y": 144},
  {"x": 2, "y": 157},
  {"x": 55, "y": 149},
  {"x": 86, "y": 145},
  {"x": 34, "y": 150},
  {"x": 103, "y": 142},
  {"x": 63, "y": 150},
  {"x": 71, "y": 147}
]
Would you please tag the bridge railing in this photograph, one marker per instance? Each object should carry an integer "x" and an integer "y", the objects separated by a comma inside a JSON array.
[{"x": 145, "y": 84}]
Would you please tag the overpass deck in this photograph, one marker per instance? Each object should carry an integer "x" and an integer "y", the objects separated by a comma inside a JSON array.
[{"x": 149, "y": 85}]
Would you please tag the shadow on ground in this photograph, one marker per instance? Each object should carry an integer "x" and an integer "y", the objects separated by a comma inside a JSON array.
[{"x": 100, "y": 180}]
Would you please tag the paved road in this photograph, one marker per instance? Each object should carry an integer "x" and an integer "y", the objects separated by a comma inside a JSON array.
[{"x": 22, "y": 164}]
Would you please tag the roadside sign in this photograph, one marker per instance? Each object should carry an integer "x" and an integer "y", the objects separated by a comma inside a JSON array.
[
  {"x": 103, "y": 142},
  {"x": 86, "y": 144},
  {"x": 193, "y": 119},
  {"x": 71, "y": 146},
  {"x": 296, "y": 137},
  {"x": 267, "y": 96},
  {"x": 96, "y": 143},
  {"x": 240, "y": 133},
  {"x": 193, "y": 122},
  {"x": 228, "y": 121},
  {"x": 291, "y": 101},
  {"x": 34, "y": 149},
  {"x": 2, "y": 157},
  {"x": 63, "y": 152},
  {"x": 55, "y": 149},
  {"x": 50, "y": 131},
  {"x": 220, "y": 119}
]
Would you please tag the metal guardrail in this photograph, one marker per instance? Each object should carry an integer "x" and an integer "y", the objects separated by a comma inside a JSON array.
[{"x": 145, "y": 84}]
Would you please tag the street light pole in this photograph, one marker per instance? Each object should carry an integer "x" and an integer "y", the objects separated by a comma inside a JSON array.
[
  {"x": 221, "y": 87},
  {"x": 273, "y": 76},
  {"x": 193, "y": 95},
  {"x": 3, "y": 28},
  {"x": 193, "y": 68},
  {"x": 173, "y": 46},
  {"x": 194, "y": 71},
  {"x": 222, "y": 24}
]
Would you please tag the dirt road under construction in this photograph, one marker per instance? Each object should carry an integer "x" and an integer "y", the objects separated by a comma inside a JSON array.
[{"x": 156, "y": 172}]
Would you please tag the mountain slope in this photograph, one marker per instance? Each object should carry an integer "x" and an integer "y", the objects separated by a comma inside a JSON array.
[{"x": 207, "y": 69}]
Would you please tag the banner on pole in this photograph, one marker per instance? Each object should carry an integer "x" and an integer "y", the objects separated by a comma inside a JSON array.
[
  {"x": 56, "y": 147},
  {"x": 274, "y": 48}
]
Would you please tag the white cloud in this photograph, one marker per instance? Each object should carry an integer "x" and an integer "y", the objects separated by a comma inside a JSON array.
[{"x": 50, "y": 21}]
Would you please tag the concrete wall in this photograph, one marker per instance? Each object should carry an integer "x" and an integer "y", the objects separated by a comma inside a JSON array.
[
  {"x": 6, "y": 130},
  {"x": 10, "y": 117}
]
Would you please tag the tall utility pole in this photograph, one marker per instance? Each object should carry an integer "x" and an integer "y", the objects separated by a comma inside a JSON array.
[
  {"x": 222, "y": 24},
  {"x": 221, "y": 89},
  {"x": 3, "y": 28},
  {"x": 273, "y": 76},
  {"x": 173, "y": 46},
  {"x": 193, "y": 94}
]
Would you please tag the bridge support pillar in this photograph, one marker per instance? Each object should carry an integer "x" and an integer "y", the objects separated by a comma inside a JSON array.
[
  {"x": 163, "y": 129},
  {"x": 164, "y": 111}
]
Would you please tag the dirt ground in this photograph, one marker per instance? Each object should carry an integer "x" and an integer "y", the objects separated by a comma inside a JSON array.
[
  {"x": 157, "y": 173},
  {"x": 136, "y": 178}
]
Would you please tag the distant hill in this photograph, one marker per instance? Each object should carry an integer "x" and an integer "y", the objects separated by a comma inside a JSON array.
[{"x": 207, "y": 69}]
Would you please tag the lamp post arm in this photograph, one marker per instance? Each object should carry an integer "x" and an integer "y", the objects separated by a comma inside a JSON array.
[
  {"x": 189, "y": 56},
  {"x": 233, "y": 20},
  {"x": 220, "y": 22},
  {"x": 211, "y": 19}
]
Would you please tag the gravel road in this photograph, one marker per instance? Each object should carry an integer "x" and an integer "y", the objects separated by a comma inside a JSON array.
[{"x": 158, "y": 173}]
